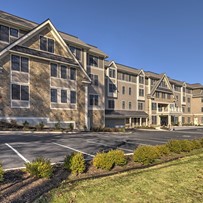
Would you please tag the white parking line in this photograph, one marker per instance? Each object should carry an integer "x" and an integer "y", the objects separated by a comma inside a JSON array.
[
  {"x": 108, "y": 145},
  {"x": 76, "y": 150},
  {"x": 20, "y": 155}
]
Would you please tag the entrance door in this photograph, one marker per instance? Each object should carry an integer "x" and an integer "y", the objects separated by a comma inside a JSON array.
[
  {"x": 196, "y": 121},
  {"x": 164, "y": 120}
]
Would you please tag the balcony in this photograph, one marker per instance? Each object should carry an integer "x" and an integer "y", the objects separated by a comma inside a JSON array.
[{"x": 169, "y": 110}]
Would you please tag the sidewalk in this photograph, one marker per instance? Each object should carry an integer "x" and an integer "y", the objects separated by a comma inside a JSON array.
[{"x": 187, "y": 127}]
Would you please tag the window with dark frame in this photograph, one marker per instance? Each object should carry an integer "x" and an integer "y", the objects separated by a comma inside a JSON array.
[
  {"x": 154, "y": 120},
  {"x": 112, "y": 88},
  {"x": 93, "y": 61},
  {"x": 20, "y": 92},
  {"x": 54, "y": 70},
  {"x": 63, "y": 96},
  {"x": 72, "y": 73},
  {"x": 54, "y": 95},
  {"x": 93, "y": 100},
  {"x": 112, "y": 73},
  {"x": 63, "y": 72},
  {"x": 130, "y": 91},
  {"x": 141, "y": 92},
  {"x": 141, "y": 79},
  {"x": 123, "y": 90},
  {"x": 76, "y": 52},
  {"x": 46, "y": 44},
  {"x": 14, "y": 32},
  {"x": 4, "y": 33},
  {"x": 130, "y": 105},
  {"x": 73, "y": 97},
  {"x": 123, "y": 104},
  {"x": 19, "y": 63},
  {"x": 154, "y": 106},
  {"x": 111, "y": 104},
  {"x": 140, "y": 106}
]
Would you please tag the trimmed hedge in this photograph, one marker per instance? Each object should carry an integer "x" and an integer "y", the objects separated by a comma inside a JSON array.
[
  {"x": 146, "y": 154},
  {"x": 174, "y": 146},
  {"x": 75, "y": 163},
  {"x": 40, "y": 167},
  {"x": 118, "y": 157},
  {"x": 163, "y": 150},
  {"x": 102, "y": 160},
  {"x": 1, "y": 173}
]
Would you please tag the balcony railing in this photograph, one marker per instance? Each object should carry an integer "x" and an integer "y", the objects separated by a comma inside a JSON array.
[{"x": 169, "y": 110}]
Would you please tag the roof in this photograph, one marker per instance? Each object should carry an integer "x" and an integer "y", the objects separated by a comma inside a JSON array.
[
  {"x": 43, "y": 54},
  {"x": 124, "y": 68},
  {"x": 28, "y": 25},
  {"x": 125, "y": 114}
]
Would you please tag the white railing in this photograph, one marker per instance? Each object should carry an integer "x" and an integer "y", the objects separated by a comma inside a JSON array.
[{"x": 169, "y": 110}]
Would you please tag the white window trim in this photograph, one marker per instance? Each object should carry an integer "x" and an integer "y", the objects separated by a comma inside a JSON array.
[{"x": 47, "y": 44}]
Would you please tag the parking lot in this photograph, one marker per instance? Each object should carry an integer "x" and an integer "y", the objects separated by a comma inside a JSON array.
[{"x": 16, "y": 148}]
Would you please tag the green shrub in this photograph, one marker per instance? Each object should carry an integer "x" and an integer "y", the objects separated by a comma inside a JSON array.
[
  {"x": 118, "y": 157},
  {"x": 75, "y": 163},
  {"x": 196, "y": 144},
  {"x": 102, "y": 160},
  {"x": 186, "y": 145},
  {"x": 174, "y": 146},
  {"x": 163, "y": 150},
  {"x": 146, "y": 154},
  {"x": 201, "y": 142},
  {"x": 1, "y": 173},
  {"x": 40, "y": 126},
  {"x": 40, "y": 167},
  {"x": 58, "y": 125}
]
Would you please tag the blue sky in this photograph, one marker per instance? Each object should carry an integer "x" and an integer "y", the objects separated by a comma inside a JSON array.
[{"x": 163, "y": 36}]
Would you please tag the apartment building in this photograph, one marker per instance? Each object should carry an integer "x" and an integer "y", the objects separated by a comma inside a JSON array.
[
  {"x": 50, "y": 76},
  {"x": 46, "y": 75},
  {"x": 136, "y": 97}
]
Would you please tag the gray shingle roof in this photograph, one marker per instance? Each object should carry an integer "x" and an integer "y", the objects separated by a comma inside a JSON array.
[
  {"x": 125, "y": 114},
  {"x": 43, "y": 54}
]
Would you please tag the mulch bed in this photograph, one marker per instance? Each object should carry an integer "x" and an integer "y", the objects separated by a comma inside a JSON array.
[{"x": 19, "y": 187}]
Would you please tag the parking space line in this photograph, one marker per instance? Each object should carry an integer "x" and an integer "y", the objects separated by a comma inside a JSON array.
[
  {"x": 19, "y": 154},
  {"x": 108, "y": 145},
  {"x": 76, "y": 150}
]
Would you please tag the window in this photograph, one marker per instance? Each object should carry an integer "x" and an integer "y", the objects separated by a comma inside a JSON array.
[
  {"x": 177, "y": 98},
  {"x": 93, "y": 100},
  {"x": 140, "y": 106},
  {"x": 14, "y": 32},
  {"x": 112, "y": 88},
  {"x": 188, "y": 99},
  {"x": 202, "y": 109},
  {"x": 123, "y": 90},
  {"x": 63, "y": 72},
  {"x": 157, "y": 94},
  {"x": 20, "y": 92},
  {"x": 130, "y": 90},
  {"x": 76, "y": 52},
  {"x": 63, "y": 96},
  {"x": 72, "y": 73},
  {"x": 184, "y": 89},
  {"x": 141, "y": 79},
  {"x": 154, "y": 120},
  {"x": 163, "y": 84},
  {"x": 19, "y": 63},
  {"x": 168, "y": 96},
  {"x": 46, "y": 44},
  {"x": 111, "y": 104},
  {"x": 183, "y": 120},
  {"x": 93, "y": 61},
  {"x": 130, "y": 78},
  {"x": 4, "y": 33},
  {"x": 73, "y": 97},
  {"x": 112, "y": 73},
  {"x": 54, "y": 70},
  {"x": 183, "y": 109},
  {"x": 54, "y": 95},
  {"x": 95, "y": 79},
  {"x": 202, "y": 120},
  {"x": 177, "y": 88},
  {"x": 123, "y": 76},
  {"x": 141, "y": 92},
  {"x": 123, "y": 104},
  {"x": 188, "y": 109},
  {"x": 188, "y": 120},
  {"x": 202, "y": 100},
  {"x": 163, "y": 95},
  {"x": 130, "y": 105},
  {"x": 183, "y": 99},
  {"x": 154, "y": 106}
]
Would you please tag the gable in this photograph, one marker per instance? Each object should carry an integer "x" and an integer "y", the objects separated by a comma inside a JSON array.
[
  {"x": 163, "y": 85},
  {"x": 34, "y": 42}
]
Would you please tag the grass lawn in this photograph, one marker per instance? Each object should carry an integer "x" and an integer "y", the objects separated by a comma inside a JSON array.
[{"x": 176, "y": 181}]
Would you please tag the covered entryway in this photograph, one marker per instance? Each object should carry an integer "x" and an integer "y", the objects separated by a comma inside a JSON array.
[{"x": 164, "y": 120}]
